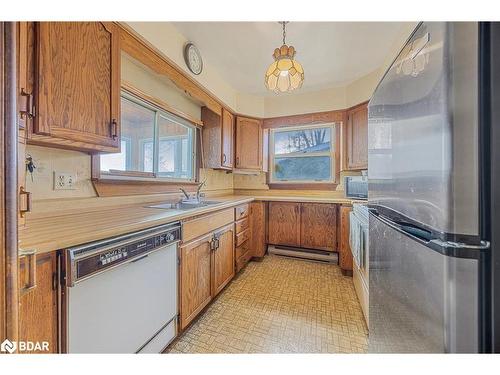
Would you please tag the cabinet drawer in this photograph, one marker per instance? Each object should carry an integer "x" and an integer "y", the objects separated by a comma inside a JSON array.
[
  {"x": 201, "y": 225},
  {"x": 242, "y": 249},
  {"x": 241, "y": 225},
  {"x": 242, "y": 237},
  {"x": 241, "y": 211},
  {"x": 243, "y": 260}
]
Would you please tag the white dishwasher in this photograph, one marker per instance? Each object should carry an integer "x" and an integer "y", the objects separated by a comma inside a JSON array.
[{"x": 120, "y": 294}]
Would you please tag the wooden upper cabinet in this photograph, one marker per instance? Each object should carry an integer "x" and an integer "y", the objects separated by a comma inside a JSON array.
[
  {"x": 218, "y": 139},
  {"x": 195, "y": 278},
  {"x": 284, "y": 223},
  {"x": 223, "y": 259},
  {"x": 357, "y": 137},
  {"x": 248, "y": 143},
  {"x": 77, "y": 78},
  {"x": 38, "y": 307},
  {"x": 318, "y": 226}
]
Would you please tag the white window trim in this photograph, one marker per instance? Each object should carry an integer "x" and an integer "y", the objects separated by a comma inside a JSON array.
[{"x": 331, "y": 154}]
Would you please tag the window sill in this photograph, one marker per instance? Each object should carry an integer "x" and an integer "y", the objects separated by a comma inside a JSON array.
[
  {"x": 303, "y": 186},
  {"x": 113, "y": 186},
  {"x": 142, "y": 177}
]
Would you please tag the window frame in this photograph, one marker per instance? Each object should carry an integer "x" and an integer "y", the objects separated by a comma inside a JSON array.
[
  {"x": 155, "y": 176},
  {"x": 334, "y": 155}
]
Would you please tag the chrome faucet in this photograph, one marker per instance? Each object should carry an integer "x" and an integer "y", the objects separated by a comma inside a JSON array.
[
  {"x": 198, "y": 193},
  {"x": 203, "y": 183},
  {"x": 185, "y": 193}
]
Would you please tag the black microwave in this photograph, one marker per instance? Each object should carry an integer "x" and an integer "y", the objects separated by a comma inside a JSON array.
[{"x": 356, "y": 187}]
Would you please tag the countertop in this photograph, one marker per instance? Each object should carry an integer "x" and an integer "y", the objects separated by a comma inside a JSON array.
[{"x": 58, "y": 232}]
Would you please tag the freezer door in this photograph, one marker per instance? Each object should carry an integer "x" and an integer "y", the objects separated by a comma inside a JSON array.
[
  {"x": 423, "y": 130},
  {"x": 420, "y": 300}
]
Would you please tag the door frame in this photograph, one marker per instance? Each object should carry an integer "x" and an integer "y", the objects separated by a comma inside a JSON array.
[{"x": 8, "y": 190}]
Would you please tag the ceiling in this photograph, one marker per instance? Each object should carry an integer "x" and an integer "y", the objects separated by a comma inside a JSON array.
[{"x": 332, "y": 53}]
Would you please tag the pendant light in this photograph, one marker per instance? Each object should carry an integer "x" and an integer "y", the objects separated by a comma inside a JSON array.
[{"x": 285, "y": 73}]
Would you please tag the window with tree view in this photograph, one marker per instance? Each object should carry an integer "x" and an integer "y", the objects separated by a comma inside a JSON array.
[
  {"x": 154, "y": 143},
  {"x": 303, "y": 154}
]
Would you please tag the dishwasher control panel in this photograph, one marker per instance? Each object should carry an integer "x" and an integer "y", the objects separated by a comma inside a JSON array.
[{"x": 87, "y": 260}]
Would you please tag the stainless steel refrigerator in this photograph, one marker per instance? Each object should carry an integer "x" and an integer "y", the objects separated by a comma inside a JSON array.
[{"x": 433, "y": 186}]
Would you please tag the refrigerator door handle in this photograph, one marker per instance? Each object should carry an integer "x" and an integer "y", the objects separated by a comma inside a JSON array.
[
  {"x": 448, "y": 248},
  {"x": 418, "y": 234}
]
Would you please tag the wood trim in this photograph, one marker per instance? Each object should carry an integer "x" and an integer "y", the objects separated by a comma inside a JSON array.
[
  {"x": 115, "y": 188},
  {"x": 3, "y": 274},
  {"x": 362, "y": 104},
  {"x": 312, "y": 186},
  {"x": 9, "y": 194},
  {"x": 140, "y": 49},
  {"x": 131, "y": 89},
  {"x": 304, "y": 119},
  {"x": 116, "y": 172}
]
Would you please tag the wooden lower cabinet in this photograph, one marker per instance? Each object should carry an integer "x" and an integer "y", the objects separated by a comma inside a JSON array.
[
  {"x": 195, "y": 278},
  {"x": 206, "y": 267},
  {"x": 223, "y": 259},
  {"x": 318, "y": 226},
  {"x": 38, "y": 307},
  {"x": 345, "y": 255},
  {"x": 258, "y": 229},
  {"x": 284, "y": 223},
  {"x": 307, "y": 225}
]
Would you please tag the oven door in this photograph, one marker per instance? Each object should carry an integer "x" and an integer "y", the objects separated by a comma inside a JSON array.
[{"x": 122, "y": 309}]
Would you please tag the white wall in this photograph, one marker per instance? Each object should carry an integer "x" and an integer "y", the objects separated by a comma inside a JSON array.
[
  {"x": 170, "y": 42},
  {"x": 157, "y": 86}
]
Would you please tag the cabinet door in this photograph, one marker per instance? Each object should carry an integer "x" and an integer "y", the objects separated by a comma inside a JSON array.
[
  {"x": 318, "y": 226},
  {"x": 248, "y": 143},
  {"x": 345, "y": 255},
  {"x": 357, "y": 138},
  {"x": 223, "y": 259},
  {"x": 258, "y": 229},
  {"x": 195, "y": 285},
  {"x": 284, "y": 223},
  {"x": 78, "y": 78},
  {"x": 38, "y": 307},
  {"x": 227, "y": 139}
]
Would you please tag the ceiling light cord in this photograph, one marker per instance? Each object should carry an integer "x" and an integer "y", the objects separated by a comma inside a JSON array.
[{"x": 284, "y": 31}]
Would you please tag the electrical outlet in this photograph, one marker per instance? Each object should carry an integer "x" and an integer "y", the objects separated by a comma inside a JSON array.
[{"x": 64, "y": 181}]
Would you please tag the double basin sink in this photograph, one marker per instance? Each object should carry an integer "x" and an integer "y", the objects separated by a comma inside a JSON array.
[{"x": 184, "y": 206}]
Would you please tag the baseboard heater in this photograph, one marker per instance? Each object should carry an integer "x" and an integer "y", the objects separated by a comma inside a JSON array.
[{"x": 318, "y": 255}]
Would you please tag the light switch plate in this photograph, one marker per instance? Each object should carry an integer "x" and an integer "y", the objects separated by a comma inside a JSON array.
[{"x": 64, "y": 181}]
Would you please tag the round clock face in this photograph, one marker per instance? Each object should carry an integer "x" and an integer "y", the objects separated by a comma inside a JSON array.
[{"x": 193, "y": 59}]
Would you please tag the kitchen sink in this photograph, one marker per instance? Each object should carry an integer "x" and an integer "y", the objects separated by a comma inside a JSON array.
[{"x": 184, "y": 205}]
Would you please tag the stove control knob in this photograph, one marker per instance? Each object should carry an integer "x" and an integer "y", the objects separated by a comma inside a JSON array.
[{"x": 170, "y": 237}]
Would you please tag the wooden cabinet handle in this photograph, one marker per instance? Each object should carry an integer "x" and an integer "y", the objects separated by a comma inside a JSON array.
[
  {"x": 23, "y": 192},
  {"x": 31, "y": 259},
  {"x": 237, "y": 160},
  {"x": 224, "y": 158}
]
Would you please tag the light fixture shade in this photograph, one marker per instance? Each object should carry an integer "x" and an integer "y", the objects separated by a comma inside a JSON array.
[{"x": 285, "y": 73}]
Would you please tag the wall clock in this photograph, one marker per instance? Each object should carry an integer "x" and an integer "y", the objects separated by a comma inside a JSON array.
[{"x": 192, "y": 57}]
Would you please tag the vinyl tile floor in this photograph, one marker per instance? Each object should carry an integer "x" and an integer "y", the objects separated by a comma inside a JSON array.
[{"x": 280, "y": 305}]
